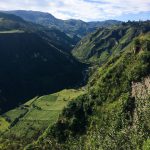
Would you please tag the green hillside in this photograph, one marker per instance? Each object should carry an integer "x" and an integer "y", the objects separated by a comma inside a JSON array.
[
  {"x": 114, "y": 114},
  {"x": 111, "y": 112},
  {"x": 98, "y": 46},
  {"x": 29, "y": 121}
]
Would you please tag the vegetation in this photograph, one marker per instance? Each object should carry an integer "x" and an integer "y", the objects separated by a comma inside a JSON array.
[
  {"x": 109, "y": 116},
  {"x": 76, "y": 29},
  {"x": 39, "y": 62},
  {"x": 110, "y": 113},
  {"x": 30, "y": 120},
  {"x": 97, "y": 47},
  {"x": 3, "y": 124}
]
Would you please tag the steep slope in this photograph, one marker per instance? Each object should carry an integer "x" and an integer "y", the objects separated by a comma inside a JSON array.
[
  {"x": 114, "y": 114},
  {"x": 31, "y": 63},
  {"x": 111, "y": 113},
  {"x": 99, "y": 46},
  {"x": 74, "y": 28}
]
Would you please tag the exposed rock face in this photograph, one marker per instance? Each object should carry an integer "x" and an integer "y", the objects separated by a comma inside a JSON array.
[
  {"x": 141, "y": 90},
  {"x": 141, "y": 93}
]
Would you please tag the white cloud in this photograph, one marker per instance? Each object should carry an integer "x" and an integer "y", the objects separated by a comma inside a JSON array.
[{"x": 80, "y": 9}]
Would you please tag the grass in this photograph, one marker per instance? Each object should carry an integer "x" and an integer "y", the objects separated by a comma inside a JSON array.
[
  {"x": 3, "y": 124},
  {"x": 35, "y": 116},
  {"x": 15, "y": 113},
  {"x": 28, "y": 103},
  {"x": 42, "y": 115},
  {"x": 27, "y": 129}
]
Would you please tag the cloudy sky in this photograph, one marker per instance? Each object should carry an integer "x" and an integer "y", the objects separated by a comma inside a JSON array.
[{"x": 87, "y": 10}]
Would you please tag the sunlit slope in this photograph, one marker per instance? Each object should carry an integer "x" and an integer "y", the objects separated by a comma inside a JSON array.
[
  {"x": 114, "y": 113},
  {"x": 27, "y": 122},
  {"x": 97, "y": 47}
]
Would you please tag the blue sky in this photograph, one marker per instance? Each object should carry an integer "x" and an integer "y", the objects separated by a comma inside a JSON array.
[{"x": 87, "y": 10}]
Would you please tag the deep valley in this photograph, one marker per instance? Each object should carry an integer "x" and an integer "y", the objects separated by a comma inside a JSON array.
[{"x": 73, "y": 85}]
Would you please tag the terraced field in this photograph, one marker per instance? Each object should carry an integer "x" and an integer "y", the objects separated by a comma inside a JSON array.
[{"x": 30, "y": 120}]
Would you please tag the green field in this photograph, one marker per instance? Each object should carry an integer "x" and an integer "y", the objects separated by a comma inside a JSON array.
[
  {"x": 11, "y": 31},
  {"x": 12, "y": 115},
  {"x": 3, "y": 124},
  {"x": 30, "y": 120}
]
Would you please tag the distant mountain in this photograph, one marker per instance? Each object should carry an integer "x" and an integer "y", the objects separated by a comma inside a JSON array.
[
  {"x": 74, "y": 28},
  {"x": 55, "y": 36},
  {"x": 33, "y": 60},
  {"x": 101, "y": 44}
]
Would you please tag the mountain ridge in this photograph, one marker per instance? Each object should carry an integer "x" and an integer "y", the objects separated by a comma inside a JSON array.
[
  {"x": 98, "y": 46},
  {"x": 74, "y": 28}
]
